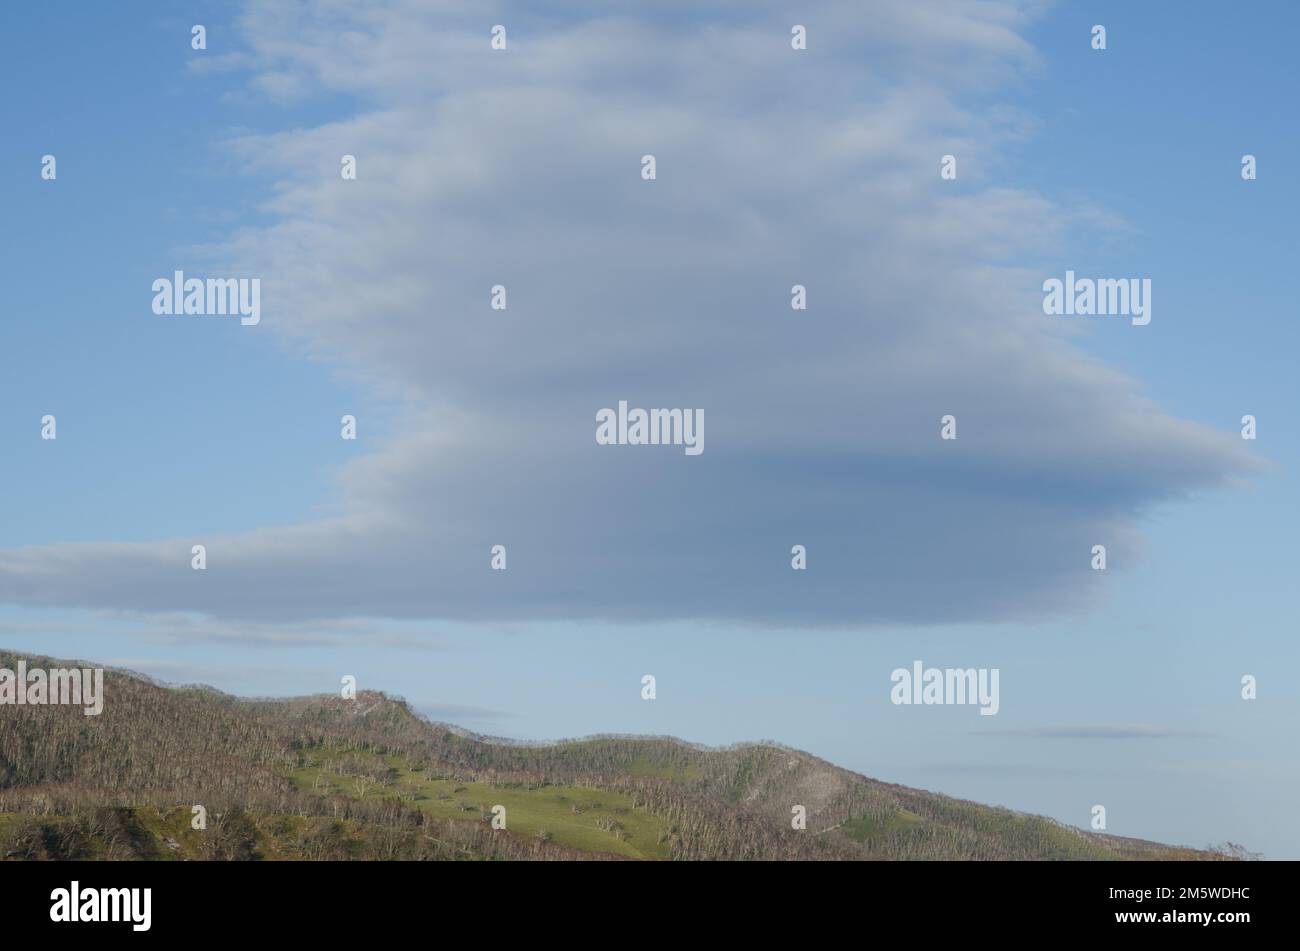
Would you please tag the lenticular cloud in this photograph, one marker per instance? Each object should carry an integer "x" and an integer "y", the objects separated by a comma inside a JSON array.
[{"x": 521, "y": 168}]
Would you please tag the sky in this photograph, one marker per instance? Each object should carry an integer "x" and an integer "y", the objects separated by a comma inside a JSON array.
[{"x": 523, "y": 167}]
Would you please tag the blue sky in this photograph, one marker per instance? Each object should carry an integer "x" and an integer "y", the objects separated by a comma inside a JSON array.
[{"x": 772, "y": 170}]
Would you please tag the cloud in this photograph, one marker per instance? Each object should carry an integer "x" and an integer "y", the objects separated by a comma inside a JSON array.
[
  {"x": 180, "y": 673},
  {"x": 456, "y": 713},
  {"x": 775, "y": 167},
  {"x": 1003, "y": 770},
  {"x": 1121, "y": 731}
]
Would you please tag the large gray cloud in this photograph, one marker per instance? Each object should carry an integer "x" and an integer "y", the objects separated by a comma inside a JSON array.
[{"x": 775, "y": 167}]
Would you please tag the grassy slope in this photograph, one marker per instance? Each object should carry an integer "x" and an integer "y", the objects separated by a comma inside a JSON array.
[{"x": 569, "y": 815}]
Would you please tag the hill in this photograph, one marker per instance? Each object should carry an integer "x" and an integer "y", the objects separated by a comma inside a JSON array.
[{"x": 329, "y": 778}]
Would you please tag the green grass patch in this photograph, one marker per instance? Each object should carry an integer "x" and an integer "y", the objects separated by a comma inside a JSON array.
[
  {"x": 592, "y": 820},
  {"x": 868, "y": 828}
]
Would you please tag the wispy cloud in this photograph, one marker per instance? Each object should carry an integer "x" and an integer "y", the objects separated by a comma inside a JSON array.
[
  {"x": 1104, "y": 731},
  {"x": 181, "y": 627},
  {"x": 456, "y": 713}
]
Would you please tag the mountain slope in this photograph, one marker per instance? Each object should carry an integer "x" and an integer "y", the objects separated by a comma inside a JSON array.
[{"x": 329, "y": 778}]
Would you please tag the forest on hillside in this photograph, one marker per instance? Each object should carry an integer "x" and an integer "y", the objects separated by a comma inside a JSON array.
[{"x": 331, "y": 778}]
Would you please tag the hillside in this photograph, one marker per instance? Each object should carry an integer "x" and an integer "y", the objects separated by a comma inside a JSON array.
[{"x": 328, "y": 778}]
